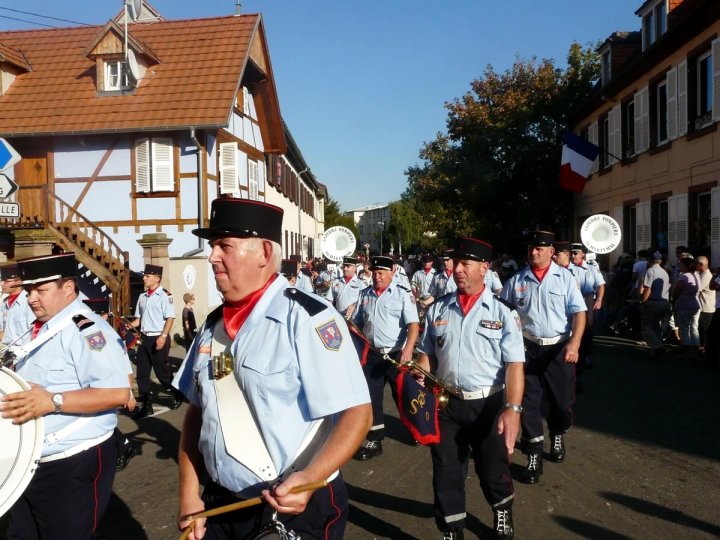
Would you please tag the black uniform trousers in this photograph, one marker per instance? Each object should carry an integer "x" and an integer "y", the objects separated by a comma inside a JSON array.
[
  {"x": 546, "y": 375},
  {"x": 377, "y": 371},
  {"x": 465, "y": 427},
  {"x": 325, "y": 516},
  {"x": 66, "y": 498},
  {"x": 149, "y": 358}
]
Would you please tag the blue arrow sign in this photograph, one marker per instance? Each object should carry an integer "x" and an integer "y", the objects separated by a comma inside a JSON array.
[{"x": 8, "y": 155}]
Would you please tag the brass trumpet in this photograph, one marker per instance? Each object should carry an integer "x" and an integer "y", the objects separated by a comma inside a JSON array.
[
  {"x": 443, "y": 396},
  {"x": 124, "y": 327}
]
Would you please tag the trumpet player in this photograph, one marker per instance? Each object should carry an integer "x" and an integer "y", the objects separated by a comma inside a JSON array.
[
  {"x": 16, "y": 313},
  {"x": 472, "y": 340}
]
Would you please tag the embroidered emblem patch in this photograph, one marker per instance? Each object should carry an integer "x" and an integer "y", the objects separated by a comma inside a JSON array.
[
  {"x": 492, "y": 325},
  {"x": 96, "y": 341},
  {"x": 330, "y": 335}
]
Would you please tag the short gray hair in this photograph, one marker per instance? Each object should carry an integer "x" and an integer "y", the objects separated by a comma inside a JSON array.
[{"x": 275, "y": 259}]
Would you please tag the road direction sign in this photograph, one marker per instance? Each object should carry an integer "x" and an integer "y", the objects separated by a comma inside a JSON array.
[
  {"x": 8, "y": 155},
  {"x": 7, "y": 187},
  {"x": 9, "y": 210}
]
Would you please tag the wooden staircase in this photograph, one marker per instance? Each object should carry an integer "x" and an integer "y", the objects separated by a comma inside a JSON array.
[{"x": 93, "y": 248}]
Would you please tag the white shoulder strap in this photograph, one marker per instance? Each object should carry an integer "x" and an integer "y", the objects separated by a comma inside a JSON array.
[{"x": 23, "y": 350}]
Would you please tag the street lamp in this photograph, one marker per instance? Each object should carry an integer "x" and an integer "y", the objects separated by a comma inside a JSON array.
[{"x": 381, "y": 224}]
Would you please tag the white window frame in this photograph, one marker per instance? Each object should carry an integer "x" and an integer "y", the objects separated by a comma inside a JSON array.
[
  {"x": 629, "y": 118},
  {"x": 658, "y": 103},
  {"x": 119, "y": 80},
  {"x": 654, "y": 22},
  {"x": 698, "y": 85},
  {"x": 154, "y": 165},
  {"x": 605, "y": 143},
  {"x": 606, "y": 66}
]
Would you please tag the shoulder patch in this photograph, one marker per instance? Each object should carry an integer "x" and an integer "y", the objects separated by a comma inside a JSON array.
[
  {"x": 330, "y": 335},
  {"x": 503, "y": 301},
  {"x": 214, "y": 316},
  {"x": 96, "y": 341},
  {"x": 82, "y": 322},
  {"x": 312, "y": 305}
]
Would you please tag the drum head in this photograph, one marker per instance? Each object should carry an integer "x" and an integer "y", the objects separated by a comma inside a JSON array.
[{"x": 20, "y": 447}]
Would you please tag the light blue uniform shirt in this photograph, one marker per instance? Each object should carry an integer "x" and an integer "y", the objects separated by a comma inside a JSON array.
[
  {"x": 154, "y": 309},
  {"x": 303, "y": 283},
  {"x": 421, "y": 282},
  {"x": 291, "y": 372},
  {"x": 442, "y": 285},
  {"x": 599, "y": 279},
  {"x": 584, "y": 277},
  {"x": 343, "y": 295},
  {"x": 75, "y": 359},
  {"x": 384, "y": 319},
  {"x": 17, "y": 319},
  {"x": 492, "y": 280},
  {"x": 472, "y": 350},
  {"x": 546, "y": 309},
  {"x": 400, "y": 278}
]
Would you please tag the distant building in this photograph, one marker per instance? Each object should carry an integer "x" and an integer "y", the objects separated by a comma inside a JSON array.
[{"x": 371, "y": 221}]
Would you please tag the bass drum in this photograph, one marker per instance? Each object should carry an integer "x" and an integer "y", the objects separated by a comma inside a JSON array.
[{"x": 20, "y": 446}]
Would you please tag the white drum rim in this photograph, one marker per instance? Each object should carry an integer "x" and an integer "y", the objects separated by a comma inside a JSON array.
[
  {"x": 14, "y": 482},
  {"x": 610, "y": 228}
]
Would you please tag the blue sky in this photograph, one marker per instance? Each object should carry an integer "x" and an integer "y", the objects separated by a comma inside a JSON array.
[{"x": 362, "y": 84}]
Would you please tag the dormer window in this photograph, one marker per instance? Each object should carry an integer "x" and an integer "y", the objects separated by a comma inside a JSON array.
[
  {"x": 116, "y": 75},
  {"x": 654, "y": 22},
  {"x": 605, "y": 67}
]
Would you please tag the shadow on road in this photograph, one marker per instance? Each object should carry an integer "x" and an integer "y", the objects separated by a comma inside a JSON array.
[
  {"x": 588, "y": 530},
  {"x": 118, "y": 522}
]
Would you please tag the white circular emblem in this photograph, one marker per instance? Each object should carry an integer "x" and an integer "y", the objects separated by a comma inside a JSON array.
[{"x": 189, "y": 275}]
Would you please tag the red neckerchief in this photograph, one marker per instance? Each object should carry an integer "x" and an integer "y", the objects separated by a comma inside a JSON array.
[
  {"x": 467, "y": 302},
  {"x": 236, "y": 313},
  {"x": 348, "y": 280},
  {"x": 11, "y": 299},
  {"x": 37, "y": 325},
  {"x": 448, "y": 272},
  {"x": 379, "y": 291},
  {"x": 427, "y": 271},
  {"x": 151, "y": 291},
  {"x": 540, "y": 272}
]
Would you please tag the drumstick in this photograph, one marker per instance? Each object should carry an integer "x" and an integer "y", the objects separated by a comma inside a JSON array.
[{"x": 243, "y": 504}]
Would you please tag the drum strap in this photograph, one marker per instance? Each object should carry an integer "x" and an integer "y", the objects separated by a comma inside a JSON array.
[
  {"x": 72, "y": 427},
  {"x": 23, "y": 350}
]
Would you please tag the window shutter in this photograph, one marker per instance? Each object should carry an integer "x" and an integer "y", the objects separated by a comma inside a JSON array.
[
  {"x": 682, "y": 219},
  {"x": 610, "y": 160},
  {"x": 228, "y": 169},
  {"x": 647, "y": 225},
  {"x": 142, "y": 165},
  {"x": 163, "y": 178},
  {"x": 617, "y": 148},
  {"x": 714, "y": 227},
  {"x": 644, "y": 133},
  {"x": 253, "y": 179},
  {"x": 716, "y": 79},
  {"x": 246, "y": 101},
  {"x": 682, "y": 99},
  {"x": 593, "y": 138},
  {"x": 642, "y": 225},
  {"x": 617, "y": 215},
  {"x": 638, "y": 123},
  {"x": 672, "y": 228},
  {"x": 672, "y": 112}
]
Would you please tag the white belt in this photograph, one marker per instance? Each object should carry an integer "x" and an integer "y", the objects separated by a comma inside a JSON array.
[
  {"x": 482, "y": 393},
  {"x": 548, "y": 340},
  {"x": 151, "y": 334},
  {"x": 77, "y": 448},
  {"x": 386, "y": 350}
]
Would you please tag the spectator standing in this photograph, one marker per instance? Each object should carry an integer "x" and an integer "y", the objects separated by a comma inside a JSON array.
[{"x": 188, "y": 320}]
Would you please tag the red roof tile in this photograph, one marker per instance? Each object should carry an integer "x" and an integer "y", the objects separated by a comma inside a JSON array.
[
  {"x": 8, "y": 54},
  {"x": 201, "y": 62}
]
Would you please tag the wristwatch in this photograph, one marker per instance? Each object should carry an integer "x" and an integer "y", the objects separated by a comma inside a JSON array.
[
  {"x": 514, "y": 406},
  {"x": 57, "y": 400}
]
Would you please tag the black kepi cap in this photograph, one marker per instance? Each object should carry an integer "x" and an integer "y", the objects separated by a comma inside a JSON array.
[
  {"x": 243, "y": 218},
  {"x": 447, "y": 254},
  {"x": 153, "y": 270},
  {"x": 9, "y": 271},
  {"x": 48, "y": 268},
  {"x": 289, "y": 268},
  {"x": 540, "y": 238},
  {"x": 577, "y": 246},
  {"x": 381, "y": 262},
  {"x": 349, "y": 260},
  {"x": 473, "y": 249},
  {"x": 98, "y": 305},
  {"x": 562, "y": 245}
]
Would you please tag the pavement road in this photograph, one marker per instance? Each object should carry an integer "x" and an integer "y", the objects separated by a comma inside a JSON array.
[{"x": 643, "y": 462}]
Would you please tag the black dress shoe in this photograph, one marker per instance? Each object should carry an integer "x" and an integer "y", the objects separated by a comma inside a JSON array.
[
  {"x": 130, "y": 450},
  {"x": 176, "y": 401},
  {"x": 370, "y": 450},
  {"x": 557, "y": 452},
  {"x": 503, "y": 524},
  {"x": 533, "y": 470},
  {"x": 456, "y": 534},
  {"x": 144, "y": 408}
]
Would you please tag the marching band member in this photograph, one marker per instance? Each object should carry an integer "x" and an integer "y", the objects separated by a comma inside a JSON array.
[
  {"x": 16, "y": 313},
  {"x": 154, "y": 315},
  {"x": 78, "y": 368},
  {"x": 344, "y": 292},
  {"x": 474, "y": 341},
  {"x": 289, "y": 370},
  {"x": 552, "y": 311},
  {"x": 444, "y": 282},
  {"x": 386, "y": 314},
  {"x": 422, "y": 280}
]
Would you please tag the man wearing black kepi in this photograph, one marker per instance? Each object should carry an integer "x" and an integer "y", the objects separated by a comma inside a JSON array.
[
  {"x": 14, "y": 309},
  {"x": 77, "y": 367},
  {"x": 154, "y": 315},
  {"x": 277, "y": 396},
  {"x": 386, "y": 315},
  {"x": 552, "y": 310},
  {"x": 472, "y": 340}
]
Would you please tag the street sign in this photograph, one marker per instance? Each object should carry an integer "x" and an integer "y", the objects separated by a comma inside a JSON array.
[
  {"x": 9, "y": 209},
  {"x": 7, "y": 187},
  {"x": 8, "y": 155}
]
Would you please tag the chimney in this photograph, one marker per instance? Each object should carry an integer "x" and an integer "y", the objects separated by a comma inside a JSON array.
[
  {"x": 238, "y": 7},
  {"x": 672, "y": 4}
]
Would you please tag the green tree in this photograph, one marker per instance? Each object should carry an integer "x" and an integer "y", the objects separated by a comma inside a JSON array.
[{"x": 496, "y": 170}]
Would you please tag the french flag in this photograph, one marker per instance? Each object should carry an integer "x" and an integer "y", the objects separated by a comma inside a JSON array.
[{"x": 577, "y": 159}]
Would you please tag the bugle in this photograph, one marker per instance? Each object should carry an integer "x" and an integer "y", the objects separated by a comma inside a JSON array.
[
  {"x": 444, "y": 389},
  {"x": 129, "y": 335}
]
